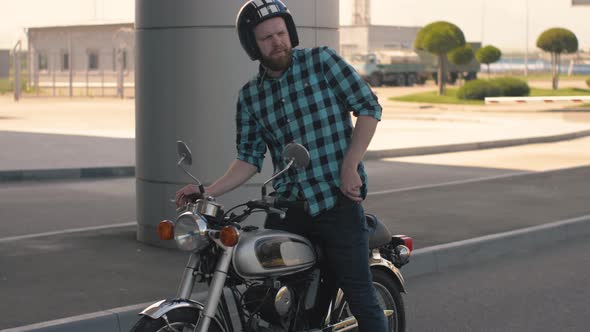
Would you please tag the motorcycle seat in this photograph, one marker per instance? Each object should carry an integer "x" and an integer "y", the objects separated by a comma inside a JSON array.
[{"x": 379, "y": 234}]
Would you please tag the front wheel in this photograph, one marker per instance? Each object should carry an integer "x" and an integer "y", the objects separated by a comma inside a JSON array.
[
  {"x": 389, "y": 297},
  {"x": 182, "y": 319}
]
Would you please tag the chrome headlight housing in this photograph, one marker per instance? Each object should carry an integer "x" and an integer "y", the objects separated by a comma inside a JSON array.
[{"x": 190, "y": 231}]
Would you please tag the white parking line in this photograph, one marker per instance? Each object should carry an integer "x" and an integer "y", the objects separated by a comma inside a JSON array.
[
  {"x": 449, "y": 183},
  {"x": 376, "y": 193},
  {"x": 65, "y": 231},
  {"x": 481, "y": 179}
]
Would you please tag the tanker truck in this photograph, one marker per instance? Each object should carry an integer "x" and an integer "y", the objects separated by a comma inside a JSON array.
[
  {"x": 390, "y": 67},
  {"x": 408, "y": 67}
]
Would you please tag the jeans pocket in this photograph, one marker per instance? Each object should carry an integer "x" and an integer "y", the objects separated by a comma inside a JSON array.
[{"x": 344, "y": 201}]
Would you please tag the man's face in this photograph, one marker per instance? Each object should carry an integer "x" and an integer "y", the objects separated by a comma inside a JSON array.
[{"x": 272, "y": 38}]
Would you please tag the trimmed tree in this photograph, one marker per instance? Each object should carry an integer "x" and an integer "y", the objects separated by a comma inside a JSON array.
[
  {"x": 462, "y": 55},
  {"x": 557, "y": 41},
  {"x": 487, "y": 55},
  {"x": 439, "y": 38}
]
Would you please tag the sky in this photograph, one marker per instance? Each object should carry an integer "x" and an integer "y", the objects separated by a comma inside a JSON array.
[{"x": 502, "y": 23}]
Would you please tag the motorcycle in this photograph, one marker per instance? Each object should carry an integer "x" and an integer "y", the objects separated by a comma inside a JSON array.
[{"x": 272, "y": 276}]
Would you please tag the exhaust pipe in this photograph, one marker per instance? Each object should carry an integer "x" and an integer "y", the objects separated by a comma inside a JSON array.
[{"x": 350, "y": 323}]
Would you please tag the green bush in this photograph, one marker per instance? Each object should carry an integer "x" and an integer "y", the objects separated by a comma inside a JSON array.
[
  {"x": 7, "y": 85},
  {"x": 513, "y": 87},
  {"x": 479, "y": 89},
  {"x": 503, "y": 86}
]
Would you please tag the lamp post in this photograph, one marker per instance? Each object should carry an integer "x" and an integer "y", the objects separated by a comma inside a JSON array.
[
  {"x": 16, "y": 51},
  {"x": 483, "y": 17},
  {"x": 122, "y": 38},
  {"x": 526, "y": 52}
]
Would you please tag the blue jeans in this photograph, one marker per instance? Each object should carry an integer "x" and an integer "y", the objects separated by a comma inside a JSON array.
[{"x": 343, "y": 235}]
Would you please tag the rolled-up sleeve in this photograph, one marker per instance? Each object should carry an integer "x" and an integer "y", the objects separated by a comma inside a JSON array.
[
  {"x": 349, "y": 87},
  {"x": 249, "y": 143}
]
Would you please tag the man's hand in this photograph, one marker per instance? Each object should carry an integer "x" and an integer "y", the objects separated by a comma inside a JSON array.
[
  {"x": 188, "y": 193},
  {"x": 351, "y": 183}
]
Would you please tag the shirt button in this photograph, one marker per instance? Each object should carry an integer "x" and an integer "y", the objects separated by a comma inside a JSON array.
[{"x": 282, "y": 100}]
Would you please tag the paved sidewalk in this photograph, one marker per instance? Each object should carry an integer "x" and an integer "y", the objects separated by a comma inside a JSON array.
[{"x": 62, "y": 138}]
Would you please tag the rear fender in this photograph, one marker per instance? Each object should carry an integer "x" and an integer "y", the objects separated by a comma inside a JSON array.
[{"x": 376, "y": 261}]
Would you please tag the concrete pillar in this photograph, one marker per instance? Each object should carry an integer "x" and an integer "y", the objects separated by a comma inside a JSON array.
[{"x": 190, "y": 67}]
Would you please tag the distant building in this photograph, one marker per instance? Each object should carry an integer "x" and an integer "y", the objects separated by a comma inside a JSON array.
[
  {"x": 362, "y": 39},
  {"x": 88, "y": 56}
]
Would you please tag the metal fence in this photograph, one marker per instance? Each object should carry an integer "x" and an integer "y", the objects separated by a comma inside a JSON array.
[{"x": 83, "y": 84}]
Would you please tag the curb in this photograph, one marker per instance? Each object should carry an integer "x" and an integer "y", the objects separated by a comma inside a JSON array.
[
  {"x": 440, "y": 257},
  {"x": 426, "y": 260},
  {"x": 66, "y": 173},
  {"x": 112, "y": 320},
  {"x": 548, "y": 99},
  {"x": 129, "y": 171},
  {"x": 460, "y": 147}
]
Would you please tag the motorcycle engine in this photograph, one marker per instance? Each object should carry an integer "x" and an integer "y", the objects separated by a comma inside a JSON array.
[{"x": 271, "y": 303}]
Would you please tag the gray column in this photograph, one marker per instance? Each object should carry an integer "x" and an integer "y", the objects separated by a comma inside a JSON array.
[{"x": 190, "y": 67}]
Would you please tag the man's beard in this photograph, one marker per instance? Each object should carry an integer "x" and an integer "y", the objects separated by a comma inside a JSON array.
[{"x": 279, "y": 64}]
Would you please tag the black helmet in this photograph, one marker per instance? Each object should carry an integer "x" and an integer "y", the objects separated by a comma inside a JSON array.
[{"x": 254, "y": 12}]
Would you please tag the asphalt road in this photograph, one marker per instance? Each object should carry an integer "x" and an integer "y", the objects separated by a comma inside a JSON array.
[
  {"x": 39, "y": 207},
  {"x": 432, "y": 200},
  {"x": 543, "y": 290}
]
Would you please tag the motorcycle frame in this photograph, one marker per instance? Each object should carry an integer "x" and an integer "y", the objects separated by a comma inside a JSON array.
[{"x": 215, "y": 294}]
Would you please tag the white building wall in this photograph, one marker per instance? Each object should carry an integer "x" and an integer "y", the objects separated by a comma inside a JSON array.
[
  {"x": 49, "y": 46},
  {"x": 366, "y": 39}
]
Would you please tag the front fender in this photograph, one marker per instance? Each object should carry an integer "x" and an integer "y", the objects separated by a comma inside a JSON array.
[
  {"x": 376, "y": 261},
  {"x": 158, "y": 309}
]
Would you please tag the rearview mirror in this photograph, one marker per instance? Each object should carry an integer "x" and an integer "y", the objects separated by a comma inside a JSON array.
[
  {"x": 184, "y": 153},
  {"x": 298, "y": 154}
]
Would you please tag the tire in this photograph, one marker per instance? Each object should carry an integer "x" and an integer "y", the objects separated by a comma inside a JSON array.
[
  {"x": 411, "y": 80},
  {"x": 390, "y": 298},
  {"x": 181, "y": 319},
  {"x": 375, "y": 80},
  {"x": 452, "y": 78},
  {"x": 401, "y": 80}
]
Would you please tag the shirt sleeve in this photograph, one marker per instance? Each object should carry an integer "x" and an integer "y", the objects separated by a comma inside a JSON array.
[
  {"x": 249, "y": 143},
  {"x": 349, "y": 87}
]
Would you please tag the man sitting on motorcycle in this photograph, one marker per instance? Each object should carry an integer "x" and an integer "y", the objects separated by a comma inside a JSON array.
[{"x": 306, "y": 96}]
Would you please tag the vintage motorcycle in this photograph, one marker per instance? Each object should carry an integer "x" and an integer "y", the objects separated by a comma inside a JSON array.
[{"x": 273, "y": 276}]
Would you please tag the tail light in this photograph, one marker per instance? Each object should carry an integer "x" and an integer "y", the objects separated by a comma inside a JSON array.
[
  {"x": 408, "y": 241},
  {"x": 402, "y": 249}
]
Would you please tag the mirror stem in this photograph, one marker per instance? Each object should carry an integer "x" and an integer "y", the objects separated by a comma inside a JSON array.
[
  {"x": 275, "y": 176},
  {"x": 201, "y": 188}
]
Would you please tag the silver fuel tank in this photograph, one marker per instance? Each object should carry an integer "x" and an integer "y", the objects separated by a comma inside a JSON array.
[{"x": 266, "y": 253}]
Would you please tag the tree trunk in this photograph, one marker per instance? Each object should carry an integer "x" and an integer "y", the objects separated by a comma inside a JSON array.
[
  {"x": 488, "y": 71},
  {"x": 557, "y": 71},
  {"x": 442, "y": 77},
  {"x": 553, "y": 69}
]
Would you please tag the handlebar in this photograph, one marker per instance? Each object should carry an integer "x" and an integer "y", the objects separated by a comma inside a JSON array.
[{"x": 266, "y": 206}]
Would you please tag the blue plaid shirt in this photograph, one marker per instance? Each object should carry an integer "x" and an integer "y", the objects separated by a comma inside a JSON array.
[{"x": 309, "y": 104}]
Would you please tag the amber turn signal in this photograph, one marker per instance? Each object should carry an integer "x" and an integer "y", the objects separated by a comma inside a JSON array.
[
  {"x": 166, "y": 230},
  {"x": 229, "y": 236}
]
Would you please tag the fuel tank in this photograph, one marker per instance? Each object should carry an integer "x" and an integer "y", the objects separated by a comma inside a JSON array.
[{"x": 268, "y": 253}]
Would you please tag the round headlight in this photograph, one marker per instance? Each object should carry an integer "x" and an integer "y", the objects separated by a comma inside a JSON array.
[{"x": 190, "y": 232}]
